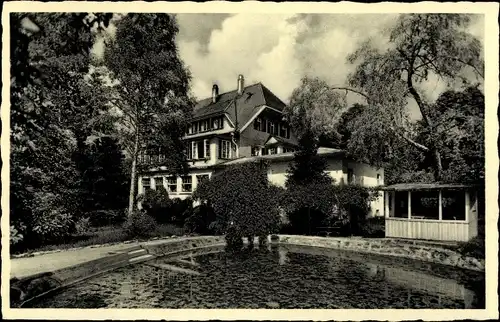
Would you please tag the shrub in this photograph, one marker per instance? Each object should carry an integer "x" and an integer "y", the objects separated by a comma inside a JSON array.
[
  {"x": 310, "y": 205},
  {"x": 157, "y": 204},
  {"x": 243, "y": 198},
  {"x": 473, "y": 248},
  {"x": 139, "y": 224},
  {"x": 82, "y": 225},
  {"x": 99, "y": 218},
  {"x": 374, "y": 227},
  {"x": 180, "y": 210},
  {"x": 15, "y": 236},
  {"x": 200, "y": 220},
  {"x": 53, "y": 226},
  {"x": 49, "y": 221}
]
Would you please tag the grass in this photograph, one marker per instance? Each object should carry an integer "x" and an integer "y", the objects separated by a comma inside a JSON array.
[{"x": 105, "y": 235}]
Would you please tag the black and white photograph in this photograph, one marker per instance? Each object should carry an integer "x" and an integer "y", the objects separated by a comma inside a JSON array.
[{"x": 250, "y": 155}]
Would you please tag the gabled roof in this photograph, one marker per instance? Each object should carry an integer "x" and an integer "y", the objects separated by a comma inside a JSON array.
[
  {"x": 253, "y": 98},
  {"x": 274, "y": 139}
]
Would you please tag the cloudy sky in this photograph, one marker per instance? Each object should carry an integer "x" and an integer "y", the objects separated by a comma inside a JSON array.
[{"x": 278, "y": 50}]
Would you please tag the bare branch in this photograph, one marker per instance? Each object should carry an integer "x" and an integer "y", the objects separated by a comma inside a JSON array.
[{"x": 352, "y": 90}]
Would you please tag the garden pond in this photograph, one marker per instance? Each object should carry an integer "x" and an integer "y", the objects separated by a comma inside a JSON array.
[{"x": 277, "y": 276}]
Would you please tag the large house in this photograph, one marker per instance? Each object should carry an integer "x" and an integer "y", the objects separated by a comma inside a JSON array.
[{"x": 243, "y": 125}]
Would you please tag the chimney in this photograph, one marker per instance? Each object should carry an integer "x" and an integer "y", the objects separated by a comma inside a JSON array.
[
  {"x": 215, "y": 93},
  {"x": 241, "y": 84}
]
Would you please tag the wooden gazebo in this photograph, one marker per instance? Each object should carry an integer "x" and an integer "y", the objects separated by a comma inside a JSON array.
[{"x": 431, "y": 211}]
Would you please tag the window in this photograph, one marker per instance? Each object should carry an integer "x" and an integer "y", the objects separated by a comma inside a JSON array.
[
  {"x": 255, "y": 151},
  {"x": 272, "y": 128},
  {"x": 224, "y": 149},
  {"x": 207, "y": 149},
  {"x": 453, "y": 203},
  {"x": 161, "y": 157},
  {"x": 263, "y": 151},
  {"x": 217, "y": 123},
  {"x": 146, "y": 184},
  {"x": 283, "y": 131},
  {"x": 172, "y": 184},
  {"x": 158, "y": 183},
  {"x": 257, "y": 124},
  {"x": 200, "y": 149},
  {"x": 194, "y": 151},
  {"x": 268, "y": 126},
  {"x": 379, "y": 179},
  {"x": 187, "y": 185},
  {"x": 273, "y": 151},
  {"x": 204, "y": 125},
  {"x": 425, "y": 204},
  {"x": 286, "y": 150},
  {"x": 276, "y": 129},
  {"x": 202, "y": 177},
  {"x": 400, "y": 204},
  {"x": 350, "y": 176},
  {"x": 190, "y": 129}
]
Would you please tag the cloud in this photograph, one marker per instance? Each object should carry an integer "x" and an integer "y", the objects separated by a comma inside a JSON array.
[{"x": 278, "y": 50}]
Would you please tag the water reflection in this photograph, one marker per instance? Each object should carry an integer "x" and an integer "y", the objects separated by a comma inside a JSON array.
[{"x": 286, "y": 277}]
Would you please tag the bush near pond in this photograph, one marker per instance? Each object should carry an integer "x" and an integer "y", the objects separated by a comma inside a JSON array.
[
  {"x": 159, "y": 206},
  {"x": 243, "y": 200},
  {"x": 201, "y": 220},
  {"x": 473, "y": 248},
  {"x": 139, "y": 224},
  {"x": 316, "y": 206}
]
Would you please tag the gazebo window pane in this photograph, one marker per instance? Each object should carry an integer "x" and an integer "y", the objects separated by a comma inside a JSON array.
[
  {"x": 425, "y": 205},
  {"x": 453, "y": 205},
  {"x": 401, "y": 204}
]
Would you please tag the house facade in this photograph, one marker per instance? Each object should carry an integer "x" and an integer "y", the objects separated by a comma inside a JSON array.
[{"x": 244, "y": 125}]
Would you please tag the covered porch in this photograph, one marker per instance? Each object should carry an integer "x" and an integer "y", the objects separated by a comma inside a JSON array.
[{"x": 444, "y": 212}]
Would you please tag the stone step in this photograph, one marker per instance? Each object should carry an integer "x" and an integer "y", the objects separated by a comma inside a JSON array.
[
  {"x": 174, "y": 268},
  {"x": 141, "y": 258},
  {"x": 187, "y": 262},
  {"x": 137, "y": 252}
]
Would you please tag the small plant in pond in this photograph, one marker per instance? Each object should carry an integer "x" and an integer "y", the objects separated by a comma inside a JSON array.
[{"x": 244, "y": 202}]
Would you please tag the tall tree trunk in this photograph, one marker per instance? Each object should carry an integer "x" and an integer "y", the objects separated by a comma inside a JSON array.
[
  {"x": 438, "y": 166},
  {"x": 131, "y": 197}
]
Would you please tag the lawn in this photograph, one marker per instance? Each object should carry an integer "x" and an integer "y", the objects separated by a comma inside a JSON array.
[{"x": 104, "y": 235}]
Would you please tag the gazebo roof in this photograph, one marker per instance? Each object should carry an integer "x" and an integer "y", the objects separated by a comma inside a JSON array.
[{"x": 428, "y": 186}]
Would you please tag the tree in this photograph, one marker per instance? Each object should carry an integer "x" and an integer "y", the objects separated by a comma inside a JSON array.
[
  {"x": 50, "y": 55},
  {"x": 152, "y": 93},
  {"x": 344, "y": 125},
  {"x": 103, "y": 178},
  {"x": 420, "y": 45},
  {"x": 459, "y": 134},
  {"x": 244, "y": 201}
]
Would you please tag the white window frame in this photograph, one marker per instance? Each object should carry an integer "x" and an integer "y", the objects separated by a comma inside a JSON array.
[
  {"x": 158, "y": 180},
  {"x": 225, "y": 149},
  {"x": 171, "y": 184},
  {"x": 187, "y": 183},
  {"x": 194, "y": 150},
  {"x": 273, "y": 149},
  {"x": 145, "y": 186},
  {"x": 206, "y": 144}
]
